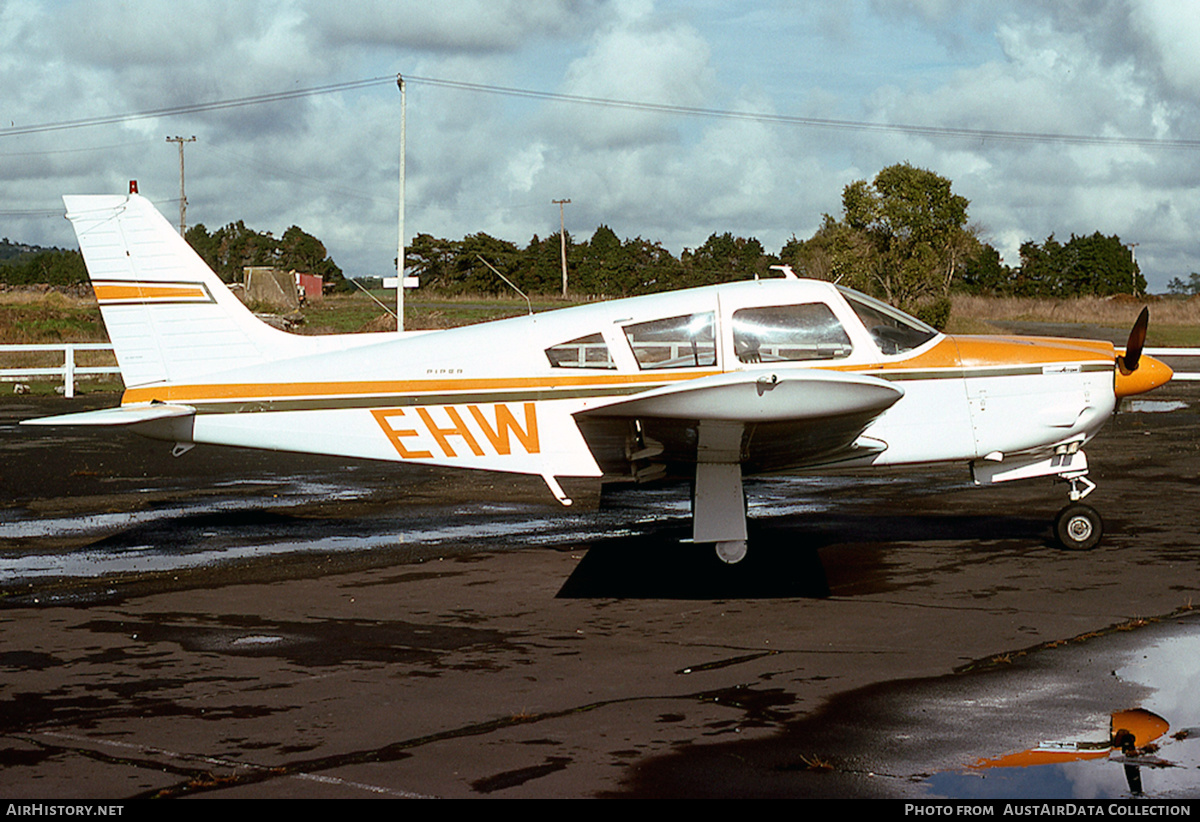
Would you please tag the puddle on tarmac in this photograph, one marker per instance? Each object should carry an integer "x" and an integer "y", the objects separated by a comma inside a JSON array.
[
  {"x": 1152, "y": 750},
  {"x": 1155, "y": 406}
]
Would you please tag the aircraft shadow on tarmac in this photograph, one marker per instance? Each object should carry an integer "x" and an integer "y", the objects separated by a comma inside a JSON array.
[{"x": 785, "y": 558}]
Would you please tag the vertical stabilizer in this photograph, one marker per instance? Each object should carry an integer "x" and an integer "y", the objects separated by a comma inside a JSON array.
[{"x": 169, "y": 317}]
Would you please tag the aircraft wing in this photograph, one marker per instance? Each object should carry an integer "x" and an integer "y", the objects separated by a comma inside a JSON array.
[{"x": 764, "y": 420}]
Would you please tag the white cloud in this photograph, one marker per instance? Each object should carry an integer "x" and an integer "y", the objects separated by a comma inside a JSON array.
[
  {"x": 637, "y": 59},
  {"x": 493, "y": 162},
  {"x": 462, "y": 25},
  {"x": 1172, "y": 28}
]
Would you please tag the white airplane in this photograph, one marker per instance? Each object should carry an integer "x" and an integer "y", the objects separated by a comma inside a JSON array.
[{"x": 712, "y": 383}]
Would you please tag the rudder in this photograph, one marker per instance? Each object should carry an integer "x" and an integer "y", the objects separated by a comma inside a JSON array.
[{"x": 169, "y": 317}]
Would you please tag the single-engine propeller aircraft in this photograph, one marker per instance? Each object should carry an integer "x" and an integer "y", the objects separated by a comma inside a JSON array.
[{"x": 712, "y": 383}]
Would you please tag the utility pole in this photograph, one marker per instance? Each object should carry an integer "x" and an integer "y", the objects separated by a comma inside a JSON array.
[
  {"x": 400, "y": 252},
  {"x": 562, "y": 220},
  {"x": 182, "y": 195}
]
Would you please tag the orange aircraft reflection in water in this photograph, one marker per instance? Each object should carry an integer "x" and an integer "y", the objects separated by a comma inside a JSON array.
[{"x": 1132, "y": 733}]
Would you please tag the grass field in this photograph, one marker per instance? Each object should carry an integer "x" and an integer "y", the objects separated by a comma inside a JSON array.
[{"x": 51, "y": 317}]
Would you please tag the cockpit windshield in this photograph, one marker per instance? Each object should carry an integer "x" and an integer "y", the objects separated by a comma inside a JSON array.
[{"x": 892, "y": 330}]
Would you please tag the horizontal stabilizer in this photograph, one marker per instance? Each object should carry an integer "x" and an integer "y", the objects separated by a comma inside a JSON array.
[{"x": 122, "y": 415}]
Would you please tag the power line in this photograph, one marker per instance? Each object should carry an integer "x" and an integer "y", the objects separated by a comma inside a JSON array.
[
  {"x": 215, "y": 105},
  {"x": 52, "y": 151},
  {"x": 815, "y": 122},
  {"x": 634, "y": 105}
]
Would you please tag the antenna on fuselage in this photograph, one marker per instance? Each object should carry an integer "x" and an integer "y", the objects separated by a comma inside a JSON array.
[
  {"x": 787, "y": 271},
  {"x": 507, "y": 280}
]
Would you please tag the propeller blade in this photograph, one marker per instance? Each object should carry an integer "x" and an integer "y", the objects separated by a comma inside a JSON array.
[{"x": 1137, "y": 341}]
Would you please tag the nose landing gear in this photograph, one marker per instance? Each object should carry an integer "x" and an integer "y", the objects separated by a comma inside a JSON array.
[{"x": 1078, "y": 527}]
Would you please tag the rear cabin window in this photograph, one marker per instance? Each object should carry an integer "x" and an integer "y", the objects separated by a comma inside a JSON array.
[
  {"x": 582, "y": 352},
  {"x": 687, "y": 341},
  {"x": 786, "y": 333}
]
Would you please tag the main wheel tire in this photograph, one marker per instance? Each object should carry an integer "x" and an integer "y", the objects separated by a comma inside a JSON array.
[
  {"x": 1078, "y": 527},
  {"x": 731, "y": 551}
]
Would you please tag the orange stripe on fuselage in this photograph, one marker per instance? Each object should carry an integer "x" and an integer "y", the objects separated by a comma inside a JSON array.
[
  {"x": 970, "y": 352},
  {"x": 368, "y": 388}
]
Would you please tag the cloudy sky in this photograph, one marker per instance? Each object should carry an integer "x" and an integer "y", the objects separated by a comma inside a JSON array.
[{"x": 964, "y": 88}]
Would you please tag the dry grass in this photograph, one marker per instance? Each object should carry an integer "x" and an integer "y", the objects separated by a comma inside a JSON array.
[
  {"x": 41, "y": 316},
  {"x": 1173, "y": 322},
  {"x": 1118, "y": 312},
  {"x": 38, "y": 315},
  {"x": 47, "y": 299}
]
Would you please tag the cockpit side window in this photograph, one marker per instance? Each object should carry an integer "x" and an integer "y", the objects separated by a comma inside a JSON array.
[
  {"x": 892, "y": 330},
  {"x": 687, "y": 341},
  {"x": 582, "y": 352},
  {"x": 785, "y": 333}
]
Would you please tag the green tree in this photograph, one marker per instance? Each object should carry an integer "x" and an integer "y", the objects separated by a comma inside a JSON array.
[
  {"x": 604, "y": 267},
  {"x": 651, "y": 267},
  {"x": 230, "y": 249},
  {"x": 47, "y": 266},
  {"x": 1093, "y": 265},
  {"x": 723, "y": 258},
  {"x": 471, "y": 275},
  {"x": 541, "y": 267},
  {"x": 986, "y": 274},
  {"x": 432, "y": 260},
  {"x": 836, "y": 252},
  {"x": 1181, "y": 289},
  {"x": 300, "y": 251},
  {"x": 204, "y": 244},
  {"x": 916, "y": 229}
]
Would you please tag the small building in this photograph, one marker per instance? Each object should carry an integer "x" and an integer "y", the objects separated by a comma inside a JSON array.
[
  {"x": 287, "y": 290},
  {"x": 310, "y": 286}
]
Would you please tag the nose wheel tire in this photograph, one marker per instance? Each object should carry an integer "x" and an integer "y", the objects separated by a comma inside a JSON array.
[{"x": 1078, "y": 527}]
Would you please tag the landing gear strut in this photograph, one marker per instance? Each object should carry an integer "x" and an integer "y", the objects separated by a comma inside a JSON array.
[
  {"x": 718, "y": 501},
  {"x": 1078, "y": 527}
]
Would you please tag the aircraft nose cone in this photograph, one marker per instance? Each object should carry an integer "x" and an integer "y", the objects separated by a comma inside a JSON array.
[{"x": 1149, "y": 374}]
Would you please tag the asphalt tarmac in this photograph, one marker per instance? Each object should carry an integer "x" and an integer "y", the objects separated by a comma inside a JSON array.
[{"x": 241, "y": 624}]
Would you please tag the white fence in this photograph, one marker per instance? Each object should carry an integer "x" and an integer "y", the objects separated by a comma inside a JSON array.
[{"x": 68, "y": 371}]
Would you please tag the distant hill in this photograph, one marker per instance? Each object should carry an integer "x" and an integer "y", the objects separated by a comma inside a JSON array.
[
  {"x": 22, "y": 264},
  {"x": 12, "y": 251}
]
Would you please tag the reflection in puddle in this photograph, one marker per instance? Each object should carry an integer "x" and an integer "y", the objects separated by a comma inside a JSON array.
[
  {"x": 1131, "y": 734},
  {"x": 1139, "y": 755},
  {"x": 1156, "y": 406}
]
